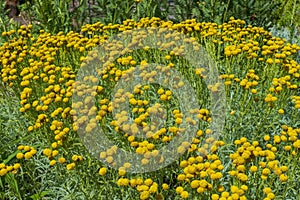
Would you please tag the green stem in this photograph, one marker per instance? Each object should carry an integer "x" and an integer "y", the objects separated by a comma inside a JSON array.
[
  {"x": 292, "y": 21},
  {"x": 226, "y": 10}
]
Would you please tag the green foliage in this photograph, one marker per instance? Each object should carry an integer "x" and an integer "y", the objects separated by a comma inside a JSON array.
[
  {"x": 182, "y": 9},
  {"x": 57, "y": 15},
  {"x": 11, "y": 130},
  {"x": 116, "y": 11},
  {"x": 9, "y": 123},
  {"x": 6, "y": 23},
  {"x": 13, "y": 185},
  {"x": 255, "y": 12},
  {"x": 289, "y": 14},
  {"x": 152, "y": 8}
]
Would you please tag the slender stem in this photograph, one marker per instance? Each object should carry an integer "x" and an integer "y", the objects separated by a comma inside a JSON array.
[
  {"x": 226, "y": 10},
  {"x": 292, "y": 21}
]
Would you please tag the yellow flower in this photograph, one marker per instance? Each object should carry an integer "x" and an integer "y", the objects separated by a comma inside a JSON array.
[
  {"x": 160, "y": 91},
  {"x": 153, "y": 188},
  {"x": 284, "y": 168},
  {"x": 74, "y": 157},
  {"x": 145, "y": 161},
  {"x": 47, "y": 152},
  {"x": 267, "y": 138},
  {"x": 167, "y": 57},
  {"x": 244, "y": 187},
  {"x": 178, "y": 120},
  {"x": 235, "y": 196},
  {"x": 70, "y": 166},
  {"x": 3, "y": 172},
  {"x": 148, "y": 182},
  {"x": 267, "y": 190},
  {"x": 184, "y": 195},
  {"x": 269, "y": 61},
  {"x": 28, "y": 155},
  {"x": 141, "y": 188},
  {"x": 19, "y": 156},
  {"x": 9, "y": 168},
  {"x": 122, "y": 171},
  {"x": 52, "y": 162},
  {"x": 225, "y": 194},
  {"x": 164, "y": 97},
  {"x": 271, "y": 196},
  {"x": 201, "y": 190},
  {"x": 165, "y": 186},
  {"x": 234, "y": 189},
  {"x": 181, "y": 149},
  {"x": 215, "y": 197},
  {"x": 283, "y": 178},
  {"x": 127, "y": 165},
  {"x": 62, "y": 160},
  {"x": 181, "y": 177},
  {"x": 144, "y": 194},
  {"x": 16, "y": 166},
  {"x": 102, "y": 171},
  {"x": 266, "y": 171},
  {"x": 123, "y": 182},
  {"x": 54, "y": 153},
  {"x": 179, "y": 190},
  {"x": 109, "y": 159},
  {"x": 26, "y": 148},
  {"x": 195, "y": 184}
]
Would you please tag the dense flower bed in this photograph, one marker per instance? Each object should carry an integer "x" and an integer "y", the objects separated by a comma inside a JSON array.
[{"x": 257, "y": 155}]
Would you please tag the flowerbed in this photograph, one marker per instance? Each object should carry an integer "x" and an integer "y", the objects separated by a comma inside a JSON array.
[{"x": 255, "y": 157}]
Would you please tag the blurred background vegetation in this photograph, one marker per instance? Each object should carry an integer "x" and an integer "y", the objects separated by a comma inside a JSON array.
[{"x": 66, "y": 15}]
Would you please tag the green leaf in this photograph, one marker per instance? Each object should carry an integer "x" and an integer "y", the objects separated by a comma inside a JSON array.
[
  {"x": 39, "y": 195},
  {"x": 11, "y": 156},
  {"x": 13, "y": 184}
]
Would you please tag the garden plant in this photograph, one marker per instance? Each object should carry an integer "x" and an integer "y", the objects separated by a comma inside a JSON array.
[{"x": 149, "y": 108}]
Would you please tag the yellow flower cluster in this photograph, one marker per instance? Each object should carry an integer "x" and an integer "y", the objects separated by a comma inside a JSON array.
[
  {"x": 255, "y": 66},
  {"x": 144, "y": 187},
  {"x": 4, "y": 169},
  {"x": 24, "y": 152}
]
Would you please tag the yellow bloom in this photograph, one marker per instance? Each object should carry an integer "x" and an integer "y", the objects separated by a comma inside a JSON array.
[
  {"x": 102, "y": 171},
  {"x": 179, "y": 190},
  {"x": 195, "y": 184},
  {"x": 144, "y": 194},
  {"x": 52, "y": 162},
  {"x": 123, "y": 182},
  {"x": 267, "y": 190},
  {"x": 283, "y": 178},
  {"x": 3, "y": 172},
  {"x": 16, "y": 166},
  {"x": 184, "y": 195},
  {"x": 28, "y": 155},
  {"x": 127, "y": 165},
  {"x": 19, "y": 156},
  {"x": 145, "y": 161},
  {"x": 62, "y": 160},
  {"x": 215, "y": 197},
  {"x": 122, "y": 171},
  {"x": 109, "y": 159},
  {"x": 70, "y": 166},
  {"x": 181, "y": 177},
  {"x": 148, "y": 182},
  {"x": 165, "y": 186}
]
